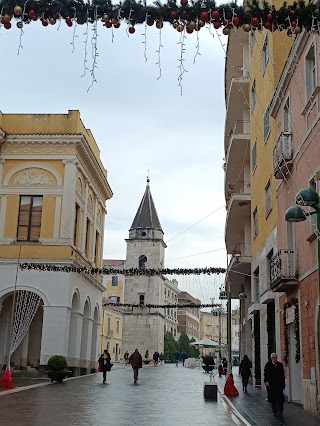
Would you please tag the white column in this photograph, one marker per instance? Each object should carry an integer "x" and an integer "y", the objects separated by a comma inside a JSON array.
[
  {"x": 3, "y": 211},
  {"x": 84, "y": 221},
  {"x": 74, "y": 343},
  {"x": 56, "y": 321},
  {"x": 24, "y": 350},
  {"x": 68, "y": 199},
  {"x": 86, "y": 341},
  {"x": 57, "y": 215}
]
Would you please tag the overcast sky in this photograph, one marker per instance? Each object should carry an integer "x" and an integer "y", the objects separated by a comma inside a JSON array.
[{"x": 139, "y": 123}]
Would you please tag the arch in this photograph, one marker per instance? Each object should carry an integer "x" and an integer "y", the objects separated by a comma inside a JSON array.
[
  {"x": 8, "y": 290},
  {"x": 29, "y": 166},
  {"x": 141, "y": 299},
  {"x": 80, "y": 185},
  {"x": 96, "y": 314},
  {"x": 142, "y": 261},
  {"x": 75, "y": 302},
  {"x": 85, "y": 348},
  {"x": 87, "y": 308},
  {"x": 73, "y": 342}
]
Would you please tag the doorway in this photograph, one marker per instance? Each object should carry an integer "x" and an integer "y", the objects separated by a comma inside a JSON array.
[{"x": 294, "y": 368}]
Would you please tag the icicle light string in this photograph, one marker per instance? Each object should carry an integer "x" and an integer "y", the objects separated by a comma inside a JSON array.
[
  {"x": 74, "y": 31},
  {"x": 174, "y": 306},
  {"x": 159, "y": 54},
  {"x": 85, "y": 61}
]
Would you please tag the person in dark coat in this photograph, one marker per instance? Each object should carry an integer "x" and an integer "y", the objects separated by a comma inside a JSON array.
[
  {"x": 105, "y": 364},
  {"x": 224, "y": 366},
  {"x": 155, "y": 358},
  {"x": 177, "y": 357},
  {"x": 245, "y": 372},
  {"x": 135, "y": 359},
  {"x": 275, "y": 382}
]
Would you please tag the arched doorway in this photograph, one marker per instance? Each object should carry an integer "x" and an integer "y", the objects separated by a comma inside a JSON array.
[
  {"x": 28, "y": 331},
  {"x": 94, "y": 340},
  {"x": 73, "y": 347}
]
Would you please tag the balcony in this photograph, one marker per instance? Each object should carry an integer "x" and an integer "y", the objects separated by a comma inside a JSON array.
[
  {"x": 283, "y": 270},
  {"x": 282, "y": 155},
  {"x": 239, "y": 267}
]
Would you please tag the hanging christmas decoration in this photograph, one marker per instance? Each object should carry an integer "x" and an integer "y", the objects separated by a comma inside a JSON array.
[
  {"x": 293, "y": 302},
  {"x": 229, "y": 15},
  {"x": 127, "y": 272},
  {"x": 176, "y": 306}
]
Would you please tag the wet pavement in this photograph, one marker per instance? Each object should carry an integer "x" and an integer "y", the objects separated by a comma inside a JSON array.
[
  {"x": 257, "y": 411},
  {"x": 165, "y": 395}
]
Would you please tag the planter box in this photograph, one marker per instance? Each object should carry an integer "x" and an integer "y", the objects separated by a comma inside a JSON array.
[{"x": 58, "y": 376}]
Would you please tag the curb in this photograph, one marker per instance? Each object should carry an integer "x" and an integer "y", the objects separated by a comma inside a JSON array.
[{"x": 236, "y": 416}]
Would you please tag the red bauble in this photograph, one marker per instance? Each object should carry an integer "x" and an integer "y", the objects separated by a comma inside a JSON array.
[
  {"x": 235, "y": 21},
  {"x": 108, "y": 24},
  {"x": 173, "y": 14},
  {"x": 7, "y": 25},
  {"x": 55, "y": 16},
  {"x": 68, "y": 20},
  {"x": 184, "y": 2},
  {"x": 189, "y": 30},
  {"x": 217, "y": 25},
  {"x": 269, "y": 16},
  {"x": 69, "y": 24},
  {"x": 31, "y": 13},
  {"x": 184, "y": 13},
  {"x": 293, "y": 24},
  {"x": 255, "y": 22},
  {"x": 2, "y": 21},
  {"x": 292, "y": 12},
  {"x": 204, "y": 16},
  {"x": 268, "y": 25},
  {"x": 215, "y": 14},
  {"x": 45, "y": 23},
  {"x": 34, "y": 18},
  {"x": 150, "y": 22},
  {"x": 117, "y": 25},
  {"x": 132, "y": 30}
]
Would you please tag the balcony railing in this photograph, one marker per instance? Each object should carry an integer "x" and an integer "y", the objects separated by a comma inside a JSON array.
[
  {"x": 282, "y": 155},
  {"x": 283, "y": 270},
  {"x": 242, "y": 250},
  {"x": 240, "y": 188},
  {"x": 240, "y": 127},
  {"x": 240, "y": 72}
]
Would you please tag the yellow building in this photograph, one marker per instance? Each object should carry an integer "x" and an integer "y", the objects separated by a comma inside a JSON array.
[
  {"x": 112, "y": 317},
  {"x": 53, "y": 189}
]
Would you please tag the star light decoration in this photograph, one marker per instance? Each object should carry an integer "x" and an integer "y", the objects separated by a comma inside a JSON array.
[{"x": 183, "y": 15}]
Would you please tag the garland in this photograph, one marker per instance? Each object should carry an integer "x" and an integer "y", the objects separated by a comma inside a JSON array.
[
  {"x": 182, "y": 14},
  {"x": 294, "y": 301},
  {"x": 127, "y": 272},
  {"x": 189, "y": 305}
]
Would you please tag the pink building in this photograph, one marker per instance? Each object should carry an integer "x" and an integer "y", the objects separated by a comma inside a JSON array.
[{"x": 294, "y": 269}]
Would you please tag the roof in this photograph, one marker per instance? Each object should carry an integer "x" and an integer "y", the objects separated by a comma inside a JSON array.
[
  {"x": 146, "y": 216},
  {"x": 112, "y": 262}
]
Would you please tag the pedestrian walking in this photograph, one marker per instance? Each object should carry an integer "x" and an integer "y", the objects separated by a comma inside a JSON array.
[
  {"x": 275, "y": 382},
  {"x": 183, "y": 357},
  {"x": 155, "y": 358},
  {"x": 229, "y": 387},
  {"x": 245, "y": 372},
  {"x": 135, "y": 360},
  {"x": 126, "y": 357},
  {"x": 224, "y": 366},
  {"x": 105, "y": 364},
  {"x": 161, "y": 358},
  {"x": 177, "y": 356}
]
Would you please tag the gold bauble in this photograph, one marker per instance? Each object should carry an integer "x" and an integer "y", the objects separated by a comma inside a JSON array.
[
  {"x": 7, "y": 18},
  {"x": 246, "y": 28},
  {"x": 297, "y": 30},
  {"x": 180, "y": 28},
  {"x": 226, "y": 31},
  {"x": 159, "y": 24},
  {"x": 201, "y": 24},
  {"x": 105, "y": 18},
  {"x": 114, "y": 21},
  {"x": 192, "y": 25},
  {"x": 175, "y": 25},
  {"x": 17, "y": 10},
  {"x": 52, "y": 21}
]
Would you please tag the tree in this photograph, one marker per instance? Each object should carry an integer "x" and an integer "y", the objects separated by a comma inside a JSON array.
[
  {"x": 170, "y": 346},
  {"x": 194, "y": 351},
  {"x": 184, "y": 344}
]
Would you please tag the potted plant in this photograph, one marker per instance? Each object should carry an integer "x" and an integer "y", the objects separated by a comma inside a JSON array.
[
  {"x": 57, "y": 368},
  {"x": 146, "y": 357},
  {"x": 208, "y": 363}
]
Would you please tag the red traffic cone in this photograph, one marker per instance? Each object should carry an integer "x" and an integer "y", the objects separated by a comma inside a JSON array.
[{"x": 6, "y": 381}]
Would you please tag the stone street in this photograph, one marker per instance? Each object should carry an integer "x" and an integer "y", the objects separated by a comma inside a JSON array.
[{"x": 165, "y": 395}]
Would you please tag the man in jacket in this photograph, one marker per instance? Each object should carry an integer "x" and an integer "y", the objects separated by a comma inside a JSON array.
[
  {"x": 275, "y": 381},
  {"x": 135, "y": 360}
]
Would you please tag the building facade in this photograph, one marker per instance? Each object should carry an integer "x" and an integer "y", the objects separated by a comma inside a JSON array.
[
  {"x": 53, "y": 190},
  {"x": 171, "y": 294},
  {"x": 188, "y": 318}
]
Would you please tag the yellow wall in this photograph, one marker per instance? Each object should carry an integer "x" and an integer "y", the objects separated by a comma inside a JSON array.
[
  {"x": 279, "y": 46},
  {"x": 111, "y": 337}
]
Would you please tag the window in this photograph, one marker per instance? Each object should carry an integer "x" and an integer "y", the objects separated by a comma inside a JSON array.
[
  {"x": 265, "y": 55},
  {"x": 266, "y": 124},
  {"x": 29, "y": 223},
  {"x": 118, "y": 327},
  {"x": 252, "y": 40},
  {"x": 269, "y": 257},
  {"x": 141, "y": 299},
  {"x": 255, "y": 222},
  {"x": 114, "y": 281},
  {"x": 287, "y": 117},
  {"x": 254, "y": 157},
  {"x": 253, "y": 95},
  {"x": 115, "y": 299},
  {"x": 268, "y": 198},
  {"x": 97, "y": 248},
  {"x": 88, "y": 235},
  {"x": 109, "y": 325},
  {"x": 311, "y": 77},
  {"x": 256, "y": 286},
  {"x": 76, "y": 225},
  {"x": 142, "y": 262}
]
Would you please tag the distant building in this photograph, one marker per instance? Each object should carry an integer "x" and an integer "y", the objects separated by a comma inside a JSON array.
[
  {"x": 189, "y": 318},
  {"x": 171, "y": 293}
]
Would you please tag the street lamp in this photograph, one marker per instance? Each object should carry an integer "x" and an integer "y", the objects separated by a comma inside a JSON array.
[{"x": 308, "y": 197}]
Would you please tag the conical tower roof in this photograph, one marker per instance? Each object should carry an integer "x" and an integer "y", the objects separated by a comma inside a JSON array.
[{"x": 146, "y": 216}]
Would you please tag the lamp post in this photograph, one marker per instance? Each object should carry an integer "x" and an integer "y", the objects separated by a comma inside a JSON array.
[{"x": 308, "y": 197}]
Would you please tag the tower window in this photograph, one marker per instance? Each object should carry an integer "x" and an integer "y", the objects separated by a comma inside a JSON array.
[
  {"x": 143, "y": 233},
  {"x": 142, "y": 262},
  {"x": 141, "y": 299}
]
